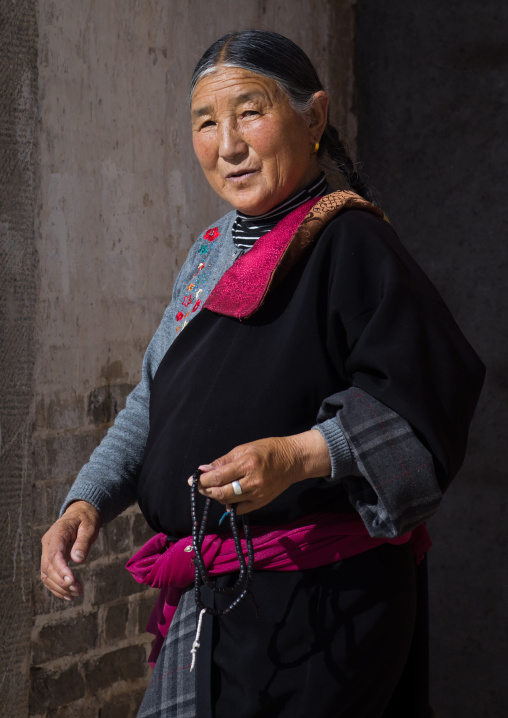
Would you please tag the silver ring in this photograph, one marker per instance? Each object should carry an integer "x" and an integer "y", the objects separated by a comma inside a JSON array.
[{"x": 237, "y": 488}]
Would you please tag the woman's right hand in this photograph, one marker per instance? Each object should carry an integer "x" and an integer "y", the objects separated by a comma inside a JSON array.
[{"x": 71, "y": 537}]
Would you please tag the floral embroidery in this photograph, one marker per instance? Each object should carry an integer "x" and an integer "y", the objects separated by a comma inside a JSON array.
[
  {"x": 212, "y": 234},
  {"x": 191, "y": 300}
]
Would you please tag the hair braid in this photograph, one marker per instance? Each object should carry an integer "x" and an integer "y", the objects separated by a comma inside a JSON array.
[{"x": 331, "y": 143}]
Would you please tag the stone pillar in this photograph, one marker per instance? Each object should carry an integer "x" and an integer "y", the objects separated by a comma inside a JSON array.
[{"x": 18, "y": 302}]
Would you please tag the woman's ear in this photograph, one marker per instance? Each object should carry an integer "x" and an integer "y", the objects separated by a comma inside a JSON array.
[{"x": 318, "y": 114}]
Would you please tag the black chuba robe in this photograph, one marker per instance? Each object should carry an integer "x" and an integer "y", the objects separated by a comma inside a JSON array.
[{"x": 343, "y": 304}]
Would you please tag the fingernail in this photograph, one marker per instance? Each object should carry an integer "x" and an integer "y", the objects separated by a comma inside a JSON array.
[
  {"x": 205, "y": 467},
  {"x": 78, "y": 555},
  {"x": 67, "y": 579},
  {"x": 189, "y": 481},
  {"x": 73, "y": 589},
  {"x": 67, "y": 598}
]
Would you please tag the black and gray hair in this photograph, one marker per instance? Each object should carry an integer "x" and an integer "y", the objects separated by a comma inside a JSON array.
[{"x": 275, "y": 56}]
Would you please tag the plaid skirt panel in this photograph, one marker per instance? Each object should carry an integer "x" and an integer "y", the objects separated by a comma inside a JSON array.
[{"x": 171, "y": 692}]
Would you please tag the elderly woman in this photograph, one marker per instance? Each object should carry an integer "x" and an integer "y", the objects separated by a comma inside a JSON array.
[{"x": 306, "y": 374}]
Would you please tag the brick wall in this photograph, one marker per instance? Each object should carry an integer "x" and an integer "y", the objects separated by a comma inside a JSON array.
[{"x": 88, "y": 656}]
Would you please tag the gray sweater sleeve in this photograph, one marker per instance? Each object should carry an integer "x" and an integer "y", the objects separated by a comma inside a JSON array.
[
  {"x": 108, "y": 480},
  {"x": 385, "y": 469}
]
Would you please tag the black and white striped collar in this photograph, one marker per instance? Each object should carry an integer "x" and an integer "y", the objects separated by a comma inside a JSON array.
[{"x": 247, "y": 229}]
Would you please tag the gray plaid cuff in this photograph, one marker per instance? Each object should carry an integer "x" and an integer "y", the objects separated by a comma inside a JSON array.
[{"x": 395, "y": 488}]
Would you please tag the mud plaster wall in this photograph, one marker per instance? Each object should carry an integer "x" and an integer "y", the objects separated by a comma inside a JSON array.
[
  {"x": 100, "y": 186},
  {"x": 432, "y": 89}
]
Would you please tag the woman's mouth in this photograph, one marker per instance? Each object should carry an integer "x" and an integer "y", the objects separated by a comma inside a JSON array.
[{"x": 240, "y": 175}]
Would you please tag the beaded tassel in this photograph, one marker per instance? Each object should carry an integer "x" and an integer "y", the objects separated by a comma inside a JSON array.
[{"x": 242, "y": 584}]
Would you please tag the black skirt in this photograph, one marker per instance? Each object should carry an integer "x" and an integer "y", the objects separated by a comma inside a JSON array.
[{"x": 347, "y": 640}]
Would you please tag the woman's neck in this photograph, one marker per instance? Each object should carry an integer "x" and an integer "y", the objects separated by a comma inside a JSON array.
[{"x": 247, "y": 229}]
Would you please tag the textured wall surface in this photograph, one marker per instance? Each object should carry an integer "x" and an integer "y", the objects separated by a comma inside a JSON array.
[
  {"x": 18, "y": 293},
  {"x": 432, "y": 88},
  {"x": 108, "y": 196}
]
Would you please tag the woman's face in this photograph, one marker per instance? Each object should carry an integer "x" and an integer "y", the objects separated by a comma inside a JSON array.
[{"x": 255, "y": 150}]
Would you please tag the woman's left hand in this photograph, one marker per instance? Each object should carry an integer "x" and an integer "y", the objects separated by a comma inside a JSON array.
[{"x": 264, "y": 469}]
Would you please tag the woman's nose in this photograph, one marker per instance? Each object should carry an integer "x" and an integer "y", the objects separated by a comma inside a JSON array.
[{"x": 231, "y": 143}]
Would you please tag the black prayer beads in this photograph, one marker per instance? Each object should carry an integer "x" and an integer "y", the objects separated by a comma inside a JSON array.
[{"x": 243, "y": 583}]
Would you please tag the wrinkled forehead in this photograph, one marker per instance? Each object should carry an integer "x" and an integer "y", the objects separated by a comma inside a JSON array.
[{"x": 228, "y": 78}]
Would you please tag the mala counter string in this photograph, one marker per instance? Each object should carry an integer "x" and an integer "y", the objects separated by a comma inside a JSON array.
[
  {"x": 242, "y": 584},
  {"x": 196, "y": 643}
]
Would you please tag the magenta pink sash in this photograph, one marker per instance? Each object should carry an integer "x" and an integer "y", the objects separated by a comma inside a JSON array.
[{"x": 323, "y": 539}]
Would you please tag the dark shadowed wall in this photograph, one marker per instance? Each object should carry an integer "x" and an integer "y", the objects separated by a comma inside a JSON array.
[{"x": 432, "y": 101}]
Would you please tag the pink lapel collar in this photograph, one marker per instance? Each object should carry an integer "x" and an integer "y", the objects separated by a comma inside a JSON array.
[{"x": 243, "y": 288}]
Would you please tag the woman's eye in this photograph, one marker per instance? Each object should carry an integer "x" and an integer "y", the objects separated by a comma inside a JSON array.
[
  {"x": 250, "y": 113},
  {"x": 207, "y": 123}
]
